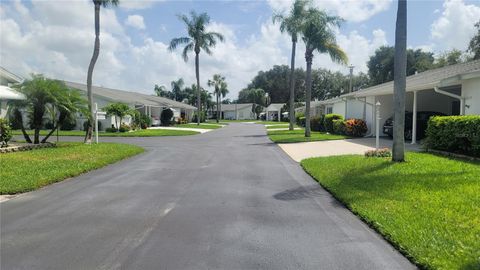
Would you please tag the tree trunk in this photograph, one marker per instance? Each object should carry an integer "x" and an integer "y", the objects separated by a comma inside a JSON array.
[
  {"x": 197, "y": 74},
  {"x": 96, "y": 52},
  {"x": 308, "y": 94},
  {"x": 399, "y": 84},
  {"x": 18, "y": 117},
  {"x": 218, "y": 106},
  {"x": 50, "y": 134},
  {"x": 36, "y": 135},
  {"x": 291, "y": 114}
]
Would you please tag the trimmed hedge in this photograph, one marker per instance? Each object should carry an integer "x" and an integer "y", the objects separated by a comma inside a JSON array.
[
  {"x": 339, "y": 127},
  {"x": 458, "y": 134},
  {"x": 316, "y": 123},
  {"x": 300, "y": 119},
  {"x": 328, "y": 121}
]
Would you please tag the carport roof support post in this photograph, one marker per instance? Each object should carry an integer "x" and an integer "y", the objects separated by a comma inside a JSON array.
[{"x": 414, "y": 118}]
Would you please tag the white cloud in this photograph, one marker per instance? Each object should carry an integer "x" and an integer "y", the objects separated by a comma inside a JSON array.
[
  {"x": 138, "y": 4},
  {"x": 455, "y": 26},
  {"x": 350, "y": 10},
  {"x": 135, "y": 21}
]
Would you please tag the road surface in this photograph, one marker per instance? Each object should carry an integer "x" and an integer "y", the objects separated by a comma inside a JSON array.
[{"x": 226, "y": 199}]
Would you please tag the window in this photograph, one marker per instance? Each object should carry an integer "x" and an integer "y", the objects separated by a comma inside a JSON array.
[{"x": 329, "y": 110}]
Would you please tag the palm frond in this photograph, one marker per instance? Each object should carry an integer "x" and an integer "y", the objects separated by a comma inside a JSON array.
[
  {"x": 186, "y": 50},
  {"x": 178, "y": 41}
]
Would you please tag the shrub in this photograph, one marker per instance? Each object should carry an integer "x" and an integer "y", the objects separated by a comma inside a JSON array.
[
  {"x": 300, "y": 119},
  {"x": 71, "y": 123},
  {"x": 384, "y": 152},
  {"x": 458, "y": 134},
  {"x": 202, "y": 117},
  {"x": 124, "y": 128},
  {"x": 316, "y": 123},
  {"x": 144, "y": 121},
  {"x": 111, "y": 129},
  {"x": 5, "y": 132},
  {"x": 166, "y": 117},
  {"x": 338, "y": 126},
  {"x": 328, "y": 121},
  {"x": 355, "y": 127}
]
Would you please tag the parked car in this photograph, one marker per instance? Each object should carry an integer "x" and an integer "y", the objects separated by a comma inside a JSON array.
[{"x": 422, "y": 121}]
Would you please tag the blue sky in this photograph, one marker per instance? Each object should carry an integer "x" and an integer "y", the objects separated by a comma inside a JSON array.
[{"x": 55, "y": 39}]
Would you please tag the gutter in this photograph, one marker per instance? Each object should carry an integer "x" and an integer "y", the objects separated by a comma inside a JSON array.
[{"x": 462, "y": 99}]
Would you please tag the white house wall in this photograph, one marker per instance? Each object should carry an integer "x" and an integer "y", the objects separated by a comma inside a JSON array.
[{"x": 471, "y": 90}]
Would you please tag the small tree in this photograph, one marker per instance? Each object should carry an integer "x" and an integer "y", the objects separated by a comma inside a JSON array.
[
  {"x": 119, "y": 110},
  {"x": 5, "y": 132},
  {"x": 166, "y": 117}
]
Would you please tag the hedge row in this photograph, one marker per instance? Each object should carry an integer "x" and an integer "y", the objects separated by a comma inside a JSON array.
[
  {"x": 335, "y": 124},
  {"x": 457, "y": 134}
]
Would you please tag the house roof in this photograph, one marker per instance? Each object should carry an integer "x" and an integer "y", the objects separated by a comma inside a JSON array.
[
  {"x": 7, "y": 93},
  {"x": 128, "y": 97},
  {"x": 274, "y": 107},
  {"x": 441, "y": 77},
  {"x": 9, "y": 76},
  {"x": 233, "y": 107}
]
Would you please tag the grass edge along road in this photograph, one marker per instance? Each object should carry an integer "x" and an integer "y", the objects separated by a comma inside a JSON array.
[
  {"x": 426, "y": 207},
  {"x": 137, "y": 133},
  {"x": 29, "y": 170},
  {"x": 293, "y": 136}
]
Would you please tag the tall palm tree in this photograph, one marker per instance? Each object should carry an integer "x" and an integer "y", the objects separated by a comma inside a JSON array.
[
  {"x": 177, "y": 87},
  {"x": 399, "y": 83},
  {"x": 318, "y": 35},
  {"x": 292, "y": 25},
  {"x": 198, "y": 39},
  {"x": 219, "y": 84},
  {"x": 96, "y": 52}
]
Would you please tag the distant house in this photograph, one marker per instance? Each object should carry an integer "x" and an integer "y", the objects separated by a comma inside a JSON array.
[
  {"x": 147, "y": 104},
  {"x": 243, "y": 111},
  {"x": 274, "y": 112},
  {"x": 6, "y": 93},
  {"x": 451, "y": 90}
]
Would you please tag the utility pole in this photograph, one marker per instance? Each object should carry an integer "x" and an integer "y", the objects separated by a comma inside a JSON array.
[{"x": 350, "y": 89}]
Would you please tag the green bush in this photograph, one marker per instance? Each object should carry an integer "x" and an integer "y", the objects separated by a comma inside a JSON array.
[
  {"x": 111, "y": 129},
  {"x": 316, "y": 123},
  {"x": 328, "y": 121},
  {"x": 124, "y": 128},
  {"x": 5, "y": 132},
  {"x": 355, "y": 127},
  {"x": 339, "y": 126},
  {"x": 384, "y": 152},
  {"x": 458, "y": 134},
  {"x": 144, "y": 121},
  {"x": 71, "y": 123},
  {"x": 202, "y": 117},
  {"x": 166, "y": 117},
  {"x": 300, "y": 119}
]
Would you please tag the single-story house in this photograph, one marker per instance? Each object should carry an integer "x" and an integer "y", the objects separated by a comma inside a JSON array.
[
  {"x": 6, "y": 93},
  {"x": 451, "y": 90},
  {"x": 242, "y": 111},
  {"x": 147, "y": 104},
  {"x": 273, "y": 112}
]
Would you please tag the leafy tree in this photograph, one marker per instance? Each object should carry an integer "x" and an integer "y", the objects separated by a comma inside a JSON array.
[
  {"x": 399, "y": 83},
  {"x": 292, "y": 25},
  {"x": 177, "y": 89},
  {"x": 451, "y": 57},
  {"x": 474, "y": 45},
  {"x": 161, "y": 91},
  {"x": 198, "y": 39},
  {"x": 166, "y": 117},
  {"x": 119, "y": 110},
  {"x": 381, "y": 64},
  {"x": 220, "y": 90},
  {"x": 318, "y": 35},
  {"x": 96, "y": 52}
]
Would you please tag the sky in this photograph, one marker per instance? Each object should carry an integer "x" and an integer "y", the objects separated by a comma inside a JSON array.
[{"x": 55, "y": 38}]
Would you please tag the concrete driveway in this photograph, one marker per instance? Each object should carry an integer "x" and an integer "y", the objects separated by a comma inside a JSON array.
[
  {"x": 299, "y": 151},
  {"x": 226, "y": 199}
]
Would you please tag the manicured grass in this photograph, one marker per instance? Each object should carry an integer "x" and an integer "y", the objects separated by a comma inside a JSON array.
[
  {"x": 287, "y": 136},
  {"x": 280, "y": 126},
  {"x": 30, "y": 170},
  {"x": 202, "y": 126},
  {"x": 271, "y": 123},
  {"x": 137, "y": 133},
  {"x": 428, "y": 207}
]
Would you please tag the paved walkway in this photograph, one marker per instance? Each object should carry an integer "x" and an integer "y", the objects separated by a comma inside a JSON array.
[
  {"x": 299, "y": 151},
  {"x": 226, "y": 199}
]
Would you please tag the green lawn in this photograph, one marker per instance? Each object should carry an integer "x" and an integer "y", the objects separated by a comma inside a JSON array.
[
  {"x": 428, "y": 207},
  {"x": 30, "y": 170},
  {"x": 202, "y": 126},
  {"x": 271, "y": 123},
  {"x": 287, "y": 136},
  {"x": 137, "y": 133},
  {"x": 280, "y": 126}
]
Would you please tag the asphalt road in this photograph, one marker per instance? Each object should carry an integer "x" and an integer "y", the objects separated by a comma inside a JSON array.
[{"x": 227, "y": 199}]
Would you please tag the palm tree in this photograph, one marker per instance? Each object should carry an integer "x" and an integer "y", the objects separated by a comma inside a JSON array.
[
  {"x": 96, "y": 52},
  {"x": 198, "y": 39},
  {"x": 219, "y": 84},
  {"x": 292, "y": 25},
  {"x": 318, "y": 35},
  {"x": 177, "y": 87},
  {"x": 399, "y": 83}
]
